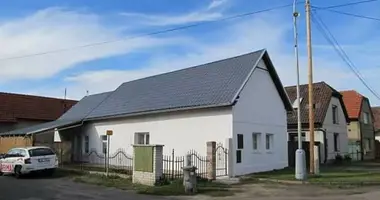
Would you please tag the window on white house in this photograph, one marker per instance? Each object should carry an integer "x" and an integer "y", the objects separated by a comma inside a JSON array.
[
  {"x": 336, "y": 142},
  {"x": 335, "y": 114},
  {"x": 142, "y": 138},
  {"x": 256, "y": 140},
  {"x": 104, "y": 143},
  {"x": 365, "y": 117},
  {"x": 367, "y": 144},
  {"x": 86, "y": 144},
  {"x": 269, "y": 141},
  {"x": 240, "y": 141}
]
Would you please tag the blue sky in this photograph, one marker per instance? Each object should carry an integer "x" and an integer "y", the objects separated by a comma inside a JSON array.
[{"x": 28, "y": 27}]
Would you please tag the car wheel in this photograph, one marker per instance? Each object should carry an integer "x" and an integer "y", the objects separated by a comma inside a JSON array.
[{"x": 17, "y": 171}]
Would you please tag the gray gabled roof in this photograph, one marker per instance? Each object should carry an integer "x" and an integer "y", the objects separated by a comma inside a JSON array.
[
  {"x": 84, "y": 107},
  {"x": 213, "y": 84},
  {"x": 208, "y": 85}
]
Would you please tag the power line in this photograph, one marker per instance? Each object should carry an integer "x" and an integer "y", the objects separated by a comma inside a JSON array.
[
  {"x": 321, "y": 26},
  {"x": 147, "y": 34},
  {"x": 348, "y": 4},
  {"x": 349, "y": 14}
]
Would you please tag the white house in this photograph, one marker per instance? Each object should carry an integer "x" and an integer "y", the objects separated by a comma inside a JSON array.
[
  {"x": 239, "y": 102},
  {"x": 330, "y": 120}
]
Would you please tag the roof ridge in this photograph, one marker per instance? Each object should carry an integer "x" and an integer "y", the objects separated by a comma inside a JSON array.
[
  {"x": 35, "y": 96},
  {"x": 195, "y": 66}
]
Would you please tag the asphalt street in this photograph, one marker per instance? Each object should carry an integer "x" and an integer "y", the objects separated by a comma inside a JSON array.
[{"x": 61, "y": 189}]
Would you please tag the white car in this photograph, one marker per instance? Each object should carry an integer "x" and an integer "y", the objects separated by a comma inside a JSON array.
[{"x": 19, "y": 161}]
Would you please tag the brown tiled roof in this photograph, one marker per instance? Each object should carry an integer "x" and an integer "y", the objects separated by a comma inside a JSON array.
[
  {"x": 18, "y": 106},
  {"x": 322, "y": 96},
  {"x": 353, "y": 102},
  {"x": 376, "y": 114}
]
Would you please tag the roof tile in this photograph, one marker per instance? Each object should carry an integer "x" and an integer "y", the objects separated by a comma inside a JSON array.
[
  {"x": 353, "y": 101},
  {"x": 19, "y": 106}
]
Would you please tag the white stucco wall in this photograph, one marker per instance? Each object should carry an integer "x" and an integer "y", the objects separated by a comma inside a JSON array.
[
  {"x": 331, "y": 128},
  {"x": 181, "y": 131},
  {"x": 260, "y": 109}
]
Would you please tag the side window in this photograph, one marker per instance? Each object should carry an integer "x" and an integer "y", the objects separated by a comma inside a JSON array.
[
  {"x": 104, "y": 144},
  {"x": 86, "y": 144},
  {"x": 11, "y": 152},
  {"x": 142, "y": 138}
]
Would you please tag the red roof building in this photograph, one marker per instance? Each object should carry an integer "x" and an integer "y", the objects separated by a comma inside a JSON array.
[{"x": 29, "y": 110}]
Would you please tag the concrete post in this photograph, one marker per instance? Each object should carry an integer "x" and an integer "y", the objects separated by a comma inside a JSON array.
[
  {"x": 149, "y": 177},
  {"x": 211, "y": 157}
]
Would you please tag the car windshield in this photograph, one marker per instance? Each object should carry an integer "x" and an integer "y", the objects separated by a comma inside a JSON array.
[{"x": 40, "y": 152}]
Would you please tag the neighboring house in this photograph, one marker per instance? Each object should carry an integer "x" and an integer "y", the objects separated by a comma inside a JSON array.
[
  {"x": 239, "y": 102},
  {"x": 376, "y": 114},
  {"x": 330, "y": 119},
  {"x": 360, "y": 129},
  {"x": 20, "y": 111}
]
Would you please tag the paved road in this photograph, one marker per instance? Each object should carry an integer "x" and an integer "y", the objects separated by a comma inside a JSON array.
[{"x": 60, "y": 189}]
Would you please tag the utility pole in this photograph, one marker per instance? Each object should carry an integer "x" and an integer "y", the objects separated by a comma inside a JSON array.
[
  {"x": 300, "y": 171},
  {"x": 310, "y": 76}
]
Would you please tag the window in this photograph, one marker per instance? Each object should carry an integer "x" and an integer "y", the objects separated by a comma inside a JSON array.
[
  {"x": 256, "y": 141},
  {"x": 269, "y": 141},
  {"x": 142, "y": 138},
  {"x": 104, "y": 143},
  {"x": 336, "y": 142},
  {"x": 86, "y": 144},
  {"x": 365, "y": 117},
  {"x": 335, "y": 114},
  {"x": 367, "y": 144},
  {"x": 238, "y": 156},
  {"x": 40, "y": 152},
  {"x": 23, "y": 153},
  {"x": 240, "y": 141}
]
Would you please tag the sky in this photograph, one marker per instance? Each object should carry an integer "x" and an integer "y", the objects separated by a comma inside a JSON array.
[{"x": 123, "y": 54}]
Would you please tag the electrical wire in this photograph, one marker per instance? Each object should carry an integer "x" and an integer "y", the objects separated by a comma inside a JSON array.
[
  {"x": 349, "y": 14},
  {"x": 348, "y": 4},
  {"x": 321, "y": 26},
  {"x": 147, "y": 34}
]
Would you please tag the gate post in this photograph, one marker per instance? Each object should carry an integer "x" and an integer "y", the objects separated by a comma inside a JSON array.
[{"x": 211, "y": 158}]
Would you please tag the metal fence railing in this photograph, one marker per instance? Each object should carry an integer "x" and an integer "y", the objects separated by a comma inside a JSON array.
[
  {"x": 118, "y": 162},
  {"x": 173, "y": 164}
]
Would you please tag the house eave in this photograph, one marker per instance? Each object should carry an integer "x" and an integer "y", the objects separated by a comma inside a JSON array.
[{"x": 158, "y": 112}]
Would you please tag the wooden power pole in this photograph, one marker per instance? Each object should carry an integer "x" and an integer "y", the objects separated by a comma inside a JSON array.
[{"x": 310, "y": 76}]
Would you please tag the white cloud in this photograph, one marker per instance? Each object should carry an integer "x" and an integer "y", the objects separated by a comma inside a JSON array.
[
  {"x": 56, "y": 28},
  {"x": 268, "y": 31},
  {"x": 216, "y": 4},
  {"x": 212, "y": 12}
]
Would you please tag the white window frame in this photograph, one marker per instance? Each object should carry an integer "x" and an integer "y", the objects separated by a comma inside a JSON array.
[
  {"x": 270, "y": 142},
  {"x": 256, "y": 141},
  {"x": 145, "y": 139},
  {"x": 104, "y": 139}
]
